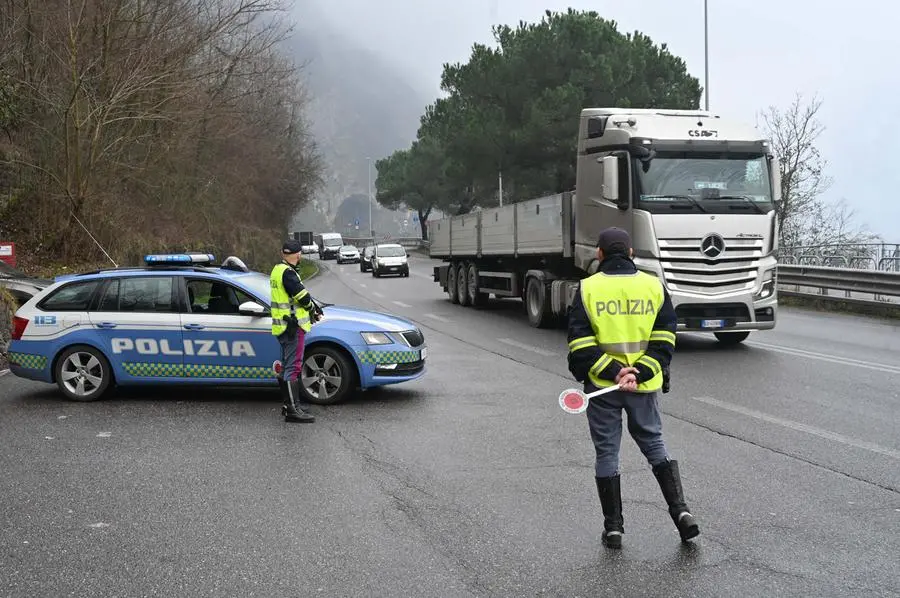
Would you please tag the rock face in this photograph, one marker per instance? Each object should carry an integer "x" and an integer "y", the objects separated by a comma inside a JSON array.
[{"x": 360, "y": 107}]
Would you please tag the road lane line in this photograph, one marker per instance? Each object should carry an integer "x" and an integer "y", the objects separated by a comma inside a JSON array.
[
  {"x": 362, "y": 284},
  {"x": 826, "y": 434},
  {"x": 401, "y": 304},
  {"x": 437, "y": 317},
  {"x": 527, "y": 347},
  {"x": 377, "y": 294},
  {"x": 879, "y": 367}
]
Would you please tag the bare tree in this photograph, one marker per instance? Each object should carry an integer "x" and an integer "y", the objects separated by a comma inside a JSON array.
[
  {"x": 163, "y": 123},
  {"x": 804, "y": 218}
]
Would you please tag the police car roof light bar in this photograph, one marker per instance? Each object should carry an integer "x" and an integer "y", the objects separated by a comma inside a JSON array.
[
  {"x": 573, "y": 400},
  {"x": 168, "y": 259}
]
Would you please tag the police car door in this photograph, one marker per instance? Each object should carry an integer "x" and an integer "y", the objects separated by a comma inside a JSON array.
[
  {"x": 137, "y": 318},
  {"x": 222, "y": 343}
]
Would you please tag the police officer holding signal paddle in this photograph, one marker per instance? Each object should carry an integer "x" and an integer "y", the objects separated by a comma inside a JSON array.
[{"x": 622, "y": 331}]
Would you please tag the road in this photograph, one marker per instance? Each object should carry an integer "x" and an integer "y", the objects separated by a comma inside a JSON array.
[{"x": 470, "y": 481}]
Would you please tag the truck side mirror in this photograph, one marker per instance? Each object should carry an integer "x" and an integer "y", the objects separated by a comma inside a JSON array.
[
  {"x": 775, "y": 168},
  {"x": 610, "y": 188}
]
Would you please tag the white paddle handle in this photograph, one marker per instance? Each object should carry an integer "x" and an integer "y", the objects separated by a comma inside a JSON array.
[{"x": 602, "y": 391}]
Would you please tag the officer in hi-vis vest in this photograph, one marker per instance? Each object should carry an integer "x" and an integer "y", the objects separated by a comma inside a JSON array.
[
  {"x": 293, "y": 312},
  {"x": 622, "y": 331}
]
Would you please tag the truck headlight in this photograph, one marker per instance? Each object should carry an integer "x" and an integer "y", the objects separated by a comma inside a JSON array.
[
  {"x": 767, "y": 289},
  {"x": 376, "y": 338}
]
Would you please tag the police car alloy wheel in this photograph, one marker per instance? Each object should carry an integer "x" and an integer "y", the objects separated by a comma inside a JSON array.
[
  {"x": 82, "y": 373},
  {"x": 327, "y": 376}
]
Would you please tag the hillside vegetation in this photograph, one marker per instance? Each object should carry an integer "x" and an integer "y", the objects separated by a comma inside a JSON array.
[{"x": 165, "y": 125}]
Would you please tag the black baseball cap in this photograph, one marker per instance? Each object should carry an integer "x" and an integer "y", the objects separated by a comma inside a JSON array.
[
  {"x": 614, "y": 240},
  {"x": 291, "y": 246}
]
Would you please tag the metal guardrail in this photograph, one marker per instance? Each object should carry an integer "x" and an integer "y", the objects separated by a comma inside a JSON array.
[
  {"x": 408, "y": 242},
  {"x": 878, "y": 286}
]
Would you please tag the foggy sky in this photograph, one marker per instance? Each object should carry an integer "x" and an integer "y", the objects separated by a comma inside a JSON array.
[{"x": 761, "y": 53}]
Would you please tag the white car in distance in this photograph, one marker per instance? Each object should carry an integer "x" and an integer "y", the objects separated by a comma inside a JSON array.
[{"x": 348, "y": 253}]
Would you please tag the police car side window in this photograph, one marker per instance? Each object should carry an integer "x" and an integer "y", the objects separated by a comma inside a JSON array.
[
  {"x": 143, "y": 295},
  {"x": 71, "y": 297},
  {"x": 215, "y": 297}
]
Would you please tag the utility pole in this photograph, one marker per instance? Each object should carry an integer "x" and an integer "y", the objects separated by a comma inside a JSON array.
[
  {"x": 706, "y": 51},
  {"x": 371, "y": 226},
  {"x": 500, "y": 177}
]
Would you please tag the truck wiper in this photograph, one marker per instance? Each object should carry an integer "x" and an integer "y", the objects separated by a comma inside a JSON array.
[
  {"x": 687, "y": 197},
  {"x": 746, "y": 198}
]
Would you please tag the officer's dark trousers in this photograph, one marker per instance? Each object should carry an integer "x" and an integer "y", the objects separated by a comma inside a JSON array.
[
  {"x": 604, "y": 414},
  {"x": 292, "y": 343}
]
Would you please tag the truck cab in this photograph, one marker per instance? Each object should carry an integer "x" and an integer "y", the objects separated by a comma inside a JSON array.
[{"x": 697, "y": 194}]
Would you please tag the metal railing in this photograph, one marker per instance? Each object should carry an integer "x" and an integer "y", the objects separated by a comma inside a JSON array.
[
  {"x": 861, "y": 256},
  {"x": 408, "y": 242}
]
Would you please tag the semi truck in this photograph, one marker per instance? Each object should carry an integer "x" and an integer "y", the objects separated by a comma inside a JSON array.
[{"x": 696, "y": 191}]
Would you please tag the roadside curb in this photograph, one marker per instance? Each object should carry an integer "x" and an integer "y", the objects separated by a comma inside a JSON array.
[{"x": 316, "y": 273}]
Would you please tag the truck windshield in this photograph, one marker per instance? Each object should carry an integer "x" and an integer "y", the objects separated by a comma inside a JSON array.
[
  {"x": 716, "y": 184},
  {"x": 333, "y": 242}
]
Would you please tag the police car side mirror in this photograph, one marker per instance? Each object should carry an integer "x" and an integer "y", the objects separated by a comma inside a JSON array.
[{"x": 252, "y": 308}]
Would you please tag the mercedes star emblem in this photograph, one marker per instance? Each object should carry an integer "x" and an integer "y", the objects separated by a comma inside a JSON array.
[{"x": 712, "y": 245}]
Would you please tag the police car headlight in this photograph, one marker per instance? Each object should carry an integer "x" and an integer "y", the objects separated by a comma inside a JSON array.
[{"x": 376, "y": 338}]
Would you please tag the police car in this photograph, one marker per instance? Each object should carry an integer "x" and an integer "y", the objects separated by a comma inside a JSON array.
[{"x": 182, "y": 320}]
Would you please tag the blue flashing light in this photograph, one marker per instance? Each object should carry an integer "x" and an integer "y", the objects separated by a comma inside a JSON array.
[{"x": 179, "y": 258}]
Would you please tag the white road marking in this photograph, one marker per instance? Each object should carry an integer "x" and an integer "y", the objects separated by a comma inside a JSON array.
[
  {"x": 61, "y": 416},
  {"x": 362, "y": 284},
  {"x": 527, "y": 347},
  {"x": 377, "y": 294},
  {"x": 3, "y": 373},
  {"x": 826, "y": 434},
  {"x": 99, "y": 525},
  {"x": 880, "y": 367},
  {"x": 401, "y": 304},
  {"x": 104, "y": 434},
  {"x": 437, "y": 317}
]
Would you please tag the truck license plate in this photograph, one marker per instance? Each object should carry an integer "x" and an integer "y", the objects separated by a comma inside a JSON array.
[{"x": 712, "y": 323}]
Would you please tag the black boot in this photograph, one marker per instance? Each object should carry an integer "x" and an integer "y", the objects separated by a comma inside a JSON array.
[
  {"x": 670, "y": 483},
  {"x": 290, "y": 391},
  {"x": 610, "y": 493}
]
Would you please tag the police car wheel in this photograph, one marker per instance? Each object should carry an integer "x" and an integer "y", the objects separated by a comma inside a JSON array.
[
  {"x": 82, "y": 373},
  {"x": 328, "y": 376}
]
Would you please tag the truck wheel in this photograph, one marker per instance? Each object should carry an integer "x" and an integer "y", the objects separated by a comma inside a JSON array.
[
  {"x": 462, "y": 289},
  {"x": 729, "y": 339},
  {"x": 451, "y": 283},
  {"x": 536, "y": 303},
  {"x": 476, "y": 298}
]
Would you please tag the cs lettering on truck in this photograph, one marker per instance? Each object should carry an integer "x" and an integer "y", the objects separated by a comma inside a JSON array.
[
  {"x": 200, "y": 348},
  {"x": 703, "y": 133},
  {"x": 625, "y": 307}
]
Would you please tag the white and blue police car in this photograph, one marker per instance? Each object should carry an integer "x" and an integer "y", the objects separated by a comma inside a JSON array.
[{"x": 181, "y": 320}]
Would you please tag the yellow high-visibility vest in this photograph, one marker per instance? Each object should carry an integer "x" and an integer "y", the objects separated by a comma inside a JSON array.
[
  {"x": 283, "y": 305},
  {"x": 622, "y": 309}
]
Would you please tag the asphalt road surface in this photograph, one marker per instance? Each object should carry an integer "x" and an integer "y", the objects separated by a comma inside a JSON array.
[{"x": 470, "y": 481}]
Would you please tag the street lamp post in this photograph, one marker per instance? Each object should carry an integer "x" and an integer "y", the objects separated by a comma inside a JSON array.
[
  {"x": 371, "y": 226},
  {"x": 706, "y": 51}
]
